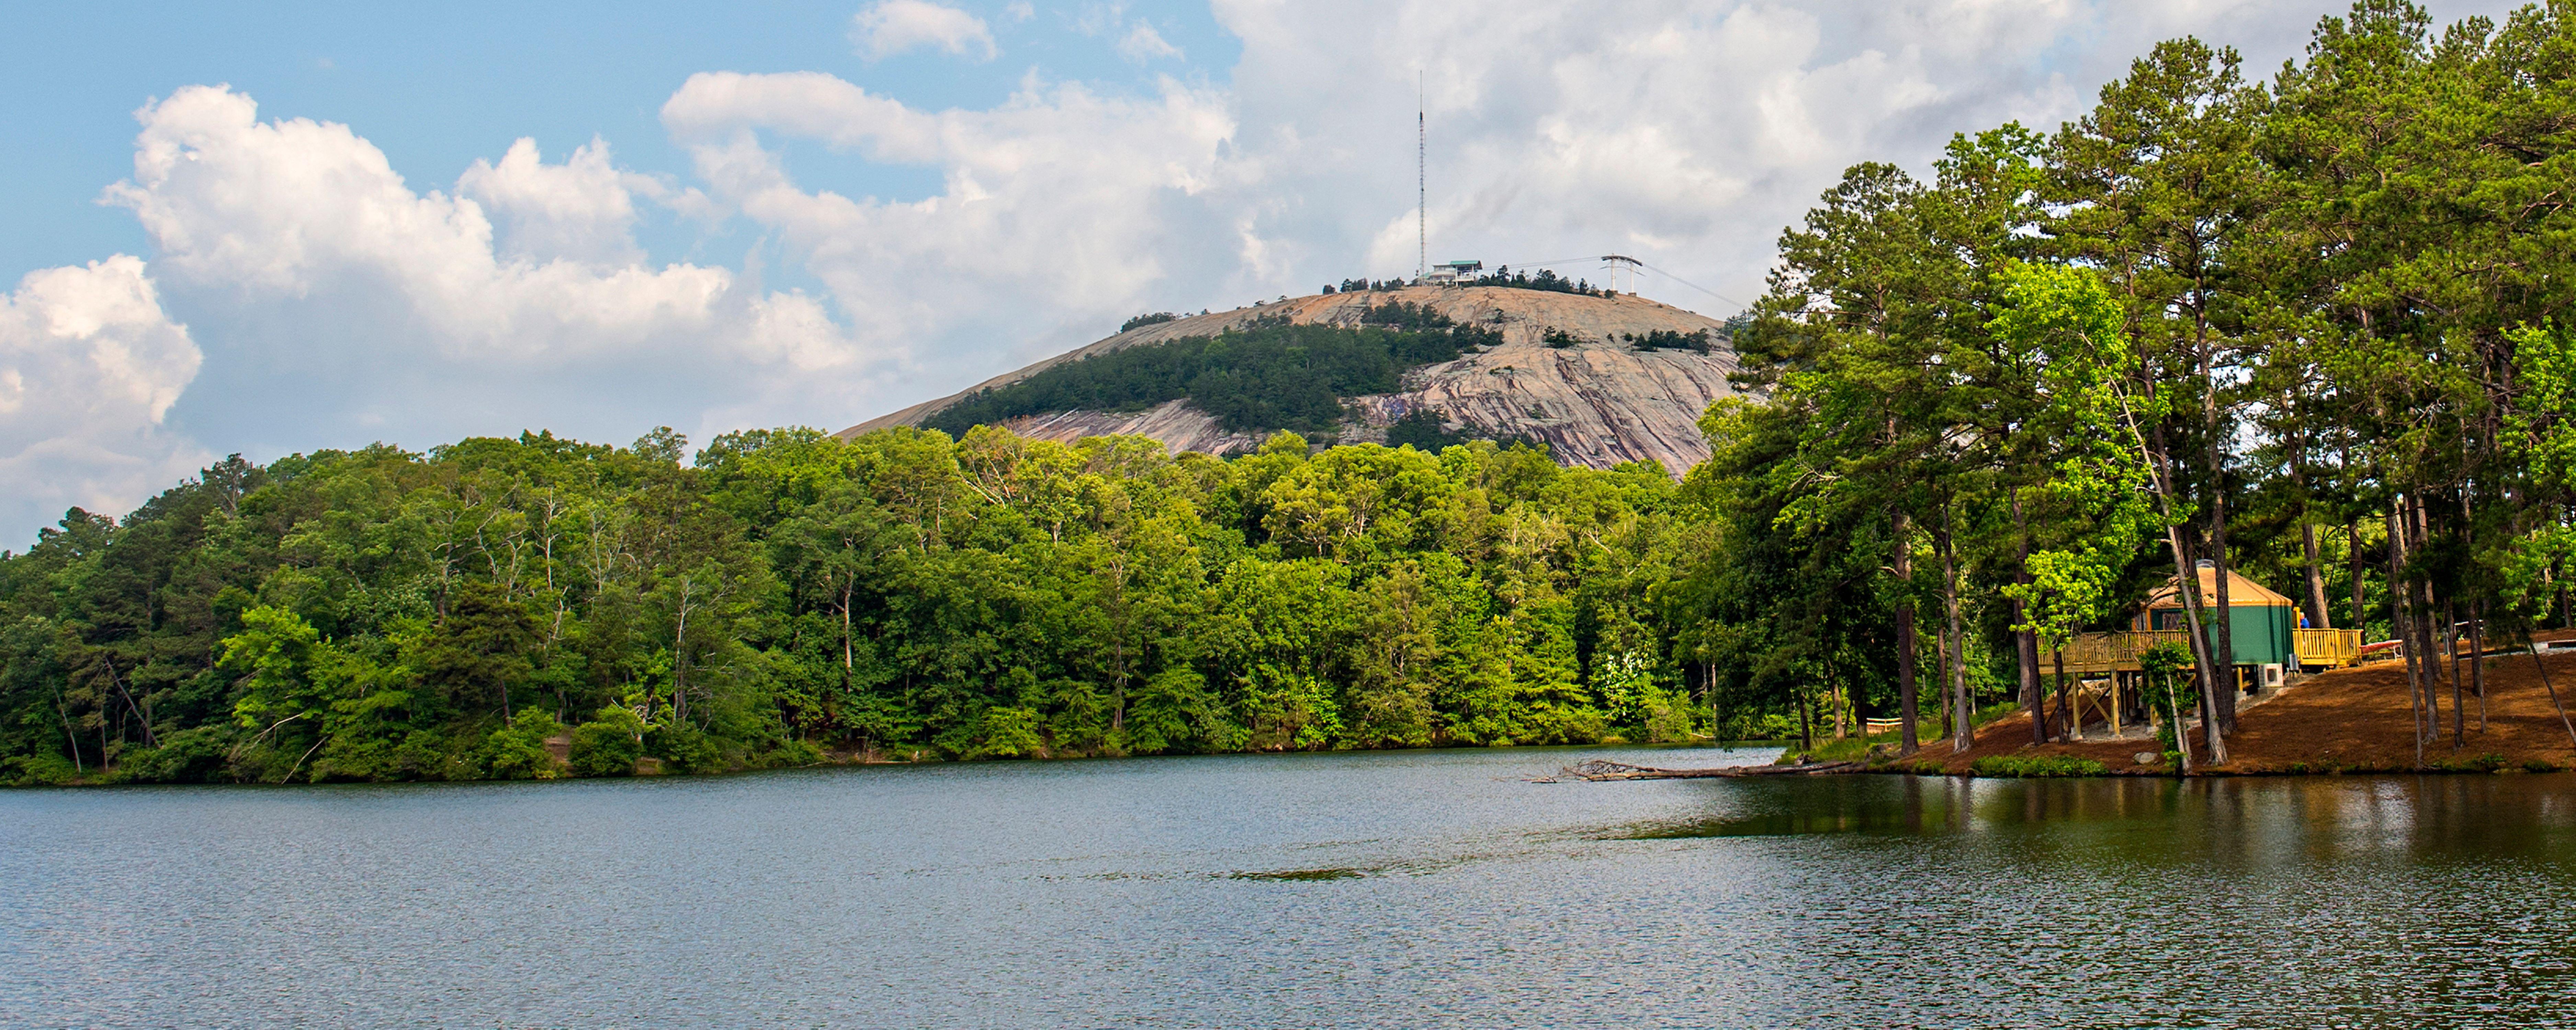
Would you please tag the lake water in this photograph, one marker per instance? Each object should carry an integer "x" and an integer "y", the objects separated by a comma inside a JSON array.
[{"x": 1365, "y": 890}]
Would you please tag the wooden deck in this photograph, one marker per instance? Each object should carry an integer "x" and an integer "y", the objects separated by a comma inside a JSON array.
[{"x": 2095, "y": 654}]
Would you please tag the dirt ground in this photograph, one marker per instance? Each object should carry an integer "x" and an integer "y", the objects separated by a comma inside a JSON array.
[{"x": 2349, "y": 720}]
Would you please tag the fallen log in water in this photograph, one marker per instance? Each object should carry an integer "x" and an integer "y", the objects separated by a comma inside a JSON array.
[{"x": 1598, "y": 770}]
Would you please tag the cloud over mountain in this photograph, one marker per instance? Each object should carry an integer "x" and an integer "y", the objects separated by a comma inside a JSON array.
[{"x": 895, "y": 250}]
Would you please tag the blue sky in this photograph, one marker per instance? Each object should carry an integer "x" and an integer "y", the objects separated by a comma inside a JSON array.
[
  {"x": 438, "y": 86},
  {"x": 275, "y": 227}
]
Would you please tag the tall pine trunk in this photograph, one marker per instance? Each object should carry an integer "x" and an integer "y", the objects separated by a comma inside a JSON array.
[
  {"x": 1905, "y": 657},
  {"x": 2222, "y": 694},
  {"x": 1963, "y": 710},
  {"x": 2221, "y": 691},
  {"x": 2186, "y": 577},
  {"x": 2401, "y": 621},
  {"x": 2026, "y": 643}
]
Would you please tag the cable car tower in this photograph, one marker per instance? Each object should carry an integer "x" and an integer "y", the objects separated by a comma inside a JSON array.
[{"x": 1613, "y": 263}]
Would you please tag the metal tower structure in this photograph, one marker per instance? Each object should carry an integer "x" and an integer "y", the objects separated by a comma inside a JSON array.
[
  {"x": 1421, "y": 179},
  {"x": 1614, "y": 261}
]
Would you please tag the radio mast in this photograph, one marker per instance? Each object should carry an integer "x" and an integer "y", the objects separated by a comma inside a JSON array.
[{"x": 1421, "y": 179}]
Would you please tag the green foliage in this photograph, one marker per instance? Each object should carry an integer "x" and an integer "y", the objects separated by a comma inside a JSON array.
[
  {"x": 1267, "y": 377},
  {"x": 518, "y": 751},
  {"x": 1667, "y": 339},
  {"x": 2485, "y": 762},
  {"x": 609, "y": 744},
  {"x": 1546, "y": 280},
  {"x": 383, "y": 616},
  {"x": 2036, "y": 766},
  {"x": 1423, "y": 430},
  {"x": 2209, "y": 317},
  {"x": 1156, "y": 318}
]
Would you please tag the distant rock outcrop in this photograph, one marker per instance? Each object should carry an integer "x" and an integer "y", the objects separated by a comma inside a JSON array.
[{"x": 1596, "y": 400}]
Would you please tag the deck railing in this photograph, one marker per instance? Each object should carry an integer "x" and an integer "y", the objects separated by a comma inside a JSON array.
[
  {"x": 2118, "y": 652},
  {"x": 2332, "y": 648}
]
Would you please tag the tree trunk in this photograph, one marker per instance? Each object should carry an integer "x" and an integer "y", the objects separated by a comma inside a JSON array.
[
  {"x": 2181, "y": 729},
  {"x": 2066, "y": 712},
  {"x": 2425, "y": 626},
  {"x": 2187, "y": 583},
  {"x": 2316, "y": 578},
  {"x": 1941, "y": 696},
  {"x": 2401, "y": 623},
  {"x": 2026, "y": 643},
  {"x": 1963, "y": 709},
  {"x": 2222, "y": 694},
  {"x": 1905, "y": 657},
  {"x": 2186, "y": 578},
  {"x": 2451, "y": 645},
  {"x": 2352, "y": 545},
  {"x": 2477, "y": 620},
  {"x": 2543, "y": 668},
  {"x": 680, "y": 659}
]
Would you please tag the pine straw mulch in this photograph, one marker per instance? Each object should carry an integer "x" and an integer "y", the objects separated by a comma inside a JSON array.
[{"x": 2346, "y": 720}]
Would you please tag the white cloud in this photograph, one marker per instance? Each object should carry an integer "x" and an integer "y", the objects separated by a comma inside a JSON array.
[
  {"x": 357, "y": 309},
  {"x": 1687, "y": 132},
  {"x": 337, "y": 304},
  {"x": 1142, "y": 44},
  {"x": 1062, "y": 207},
  {"x": 89, "y": 367},
  {"x": 579, "y": 210},
  {"x": 894, "y": 26}
]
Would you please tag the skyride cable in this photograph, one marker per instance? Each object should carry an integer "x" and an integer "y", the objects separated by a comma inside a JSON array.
[{"x": 1693, "y": 285}]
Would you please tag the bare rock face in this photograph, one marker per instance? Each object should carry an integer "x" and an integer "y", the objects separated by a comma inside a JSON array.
[{"x": 1598, "y": 402}]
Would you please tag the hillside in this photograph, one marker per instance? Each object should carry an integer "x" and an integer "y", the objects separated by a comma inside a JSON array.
[{"x": 1596, "y": 402}]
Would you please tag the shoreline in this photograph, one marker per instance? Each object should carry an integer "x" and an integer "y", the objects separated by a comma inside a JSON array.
[{"x": 2351, "y": 721}]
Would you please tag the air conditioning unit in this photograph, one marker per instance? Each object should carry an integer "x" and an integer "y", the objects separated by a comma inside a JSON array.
[{"x": 2271, "y": 677}]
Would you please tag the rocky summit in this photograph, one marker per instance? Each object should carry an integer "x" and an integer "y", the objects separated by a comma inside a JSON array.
[{"x": 1567, "y": 372}]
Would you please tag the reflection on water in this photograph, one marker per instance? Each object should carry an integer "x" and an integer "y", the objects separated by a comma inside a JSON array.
[{"x": 1414, "y": 889}]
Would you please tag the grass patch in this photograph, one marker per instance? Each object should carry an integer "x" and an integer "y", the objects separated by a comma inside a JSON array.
[
  {"x": 2037, "y": 766},
  {"x": 2485, "y": 763},
  {"x": 2539, "y": 765},
  {"x": 1304, "y": 875}
]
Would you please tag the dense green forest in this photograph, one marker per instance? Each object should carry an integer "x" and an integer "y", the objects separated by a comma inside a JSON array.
[
  {"x": 1266, "y": 376},
  {"x": 383, "y": 615},
  {"x": 2314, "y": 329}
]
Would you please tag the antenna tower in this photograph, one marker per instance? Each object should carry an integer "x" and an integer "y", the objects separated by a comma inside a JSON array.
[{"x": 1421, "y": 179}]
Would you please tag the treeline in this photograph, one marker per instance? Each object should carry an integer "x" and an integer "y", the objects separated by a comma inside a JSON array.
[
  {"x": 789, "y": 597},
  {"x": 2313, "y": 329},
  {"x": 1267, "y": 376},
  {"x": 1546, "y": 281}
]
